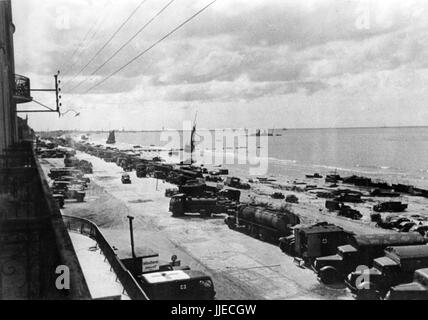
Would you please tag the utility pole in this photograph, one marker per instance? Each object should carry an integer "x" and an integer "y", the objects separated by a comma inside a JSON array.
[{"x": 131, "y": 230}]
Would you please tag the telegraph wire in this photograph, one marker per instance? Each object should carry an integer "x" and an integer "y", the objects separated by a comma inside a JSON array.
[
  {"x": 152, "y": 46},
  {"x": 107, "y": 42},
  {"x": 82, "y": 42},
  {"x": 127, "y": 42},
  {"x": 96, "y": 30}
]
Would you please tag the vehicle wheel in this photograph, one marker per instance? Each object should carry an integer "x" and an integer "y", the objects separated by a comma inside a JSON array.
[
  {"x": 372, "y": 293},
  {"x": 255, "y": 232},
  {"x": 230, "y": 224},
  {"x": 328, "y": 275}
]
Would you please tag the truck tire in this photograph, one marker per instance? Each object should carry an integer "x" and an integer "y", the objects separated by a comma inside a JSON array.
[
  {"x": 230, "y": 224},
  {"x": 328, "y": 275},
  {"x": 177, "y": 214},
  {"x": 369, "y": 294}
]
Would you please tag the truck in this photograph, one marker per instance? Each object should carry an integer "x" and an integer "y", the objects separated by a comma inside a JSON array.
[
  {"x": 141, "y": 170},
  {"x": 168, "y": 281},
  {"x": 234, "y": 182},
  {"x": 392, "y": 206},
  {"x": 181, "y": 204},
  {"x": 361, "y": 250},
  {"x": 308, "y": 242},
  {"x": 178, "y": 285},
  {"x": 68, "y": 190},
  {"x": 263, "y": 223},
  {"x": 180, "y": 176},
  {"x": 396, "y": 267},
  {"x": 416, "y": 290}
]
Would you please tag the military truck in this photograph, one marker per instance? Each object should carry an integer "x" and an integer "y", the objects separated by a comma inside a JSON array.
[
  {"x": 392, "y": 206},
  {"x": 397, "y": 266},
  {"x": 307, "y": 243},
  {"x": 234, "y": 182},
  {"x": 263, "y": 223},
  {"x": 361, "y": 250},
  {"x": 141, "y": 170},
  {"x": 181, "y": 204},
  {"x": 416, "y": 290},
  {"x": 68, "y": 190},
  {"x": 169, "y": 281},
  {"x": 195, "y": 188}
]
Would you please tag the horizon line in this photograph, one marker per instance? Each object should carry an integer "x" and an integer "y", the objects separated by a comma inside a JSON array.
[{"x": 204, "y": 129}]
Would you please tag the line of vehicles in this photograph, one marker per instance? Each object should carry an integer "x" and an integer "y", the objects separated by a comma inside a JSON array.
[{"x": 376, "y": 266}]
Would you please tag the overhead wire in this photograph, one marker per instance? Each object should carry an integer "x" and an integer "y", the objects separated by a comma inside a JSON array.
[
  {"x": 126, "y": 43},
  {"x": 108, "y": 42},
  {"x": 81, "y": 49},
  {"x": 151, "y": 46}
]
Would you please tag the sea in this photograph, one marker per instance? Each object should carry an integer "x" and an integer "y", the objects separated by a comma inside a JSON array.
[{"x": 394, "y": 155}]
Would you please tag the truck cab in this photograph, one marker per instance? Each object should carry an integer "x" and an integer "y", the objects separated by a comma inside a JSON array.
[
  {"x": 334, "y": 267},
  {"x": 314, "y": 241},
  {"x": 416, "y": 290},
  {"x": 178, "y": 285},
  {"x": 141, "y": 170},
  {"x": 176, "y": 205},
  {"x": 234, "y": 182},
  {"x": 396, "y": 267}
]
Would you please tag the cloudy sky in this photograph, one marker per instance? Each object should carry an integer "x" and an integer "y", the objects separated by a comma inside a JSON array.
[{"x": 241, "y": 63}]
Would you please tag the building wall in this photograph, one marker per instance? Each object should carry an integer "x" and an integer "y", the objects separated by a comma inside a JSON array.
[{"x": 8, "y": 120}]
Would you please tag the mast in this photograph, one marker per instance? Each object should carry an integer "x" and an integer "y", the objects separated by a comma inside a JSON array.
[{"x": 192, "y": 140}]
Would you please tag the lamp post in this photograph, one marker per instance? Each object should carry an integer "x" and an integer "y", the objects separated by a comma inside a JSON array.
[{"x": 131, "y": 230}]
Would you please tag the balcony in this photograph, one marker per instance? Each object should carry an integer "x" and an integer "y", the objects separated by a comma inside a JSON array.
[{"x": 22, "y": 92}]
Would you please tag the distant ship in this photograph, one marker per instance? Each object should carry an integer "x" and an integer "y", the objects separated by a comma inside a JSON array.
[{"x": 111, "y": 138}]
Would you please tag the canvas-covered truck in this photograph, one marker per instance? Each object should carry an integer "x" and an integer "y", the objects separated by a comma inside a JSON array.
[
  {"x": 262, "y": 223},
  {"x": 361, "y": 250},
  {"x": 416, "y": 290},
  {"x": 396, "y": 267},
  {"x": 68, "y": 190},
  {"x": 307, "y": 243},
  {"x": 391, "y": 206},
  {"x": 181, "y": 204}
]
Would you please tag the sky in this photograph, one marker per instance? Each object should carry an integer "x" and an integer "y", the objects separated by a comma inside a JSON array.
[{"x": 240, "y": 63}]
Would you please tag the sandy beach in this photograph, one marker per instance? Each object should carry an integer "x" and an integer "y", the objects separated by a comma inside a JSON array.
[{"x": 242, "y": 267}]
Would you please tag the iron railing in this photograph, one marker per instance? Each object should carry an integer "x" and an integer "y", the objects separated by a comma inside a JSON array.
[{"x": 89, "y": 229}]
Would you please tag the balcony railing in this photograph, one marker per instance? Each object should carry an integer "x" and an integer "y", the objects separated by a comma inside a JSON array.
[{"x": 22, "y": 92}]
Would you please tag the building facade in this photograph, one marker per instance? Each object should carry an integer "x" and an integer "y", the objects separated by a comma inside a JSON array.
[{"x": 8, "y": 119}]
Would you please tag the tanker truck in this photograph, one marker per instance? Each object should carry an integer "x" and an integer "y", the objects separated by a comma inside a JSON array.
[
  {"x": 181, "y": 204},
  {"x": 395, "y": 268},
  {"x": 361, "y": 250},
  {"x": 307, "y": 243},
  {"x": 417, "y": 290},
  {"x": 262, "y": 223}
]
